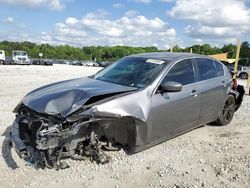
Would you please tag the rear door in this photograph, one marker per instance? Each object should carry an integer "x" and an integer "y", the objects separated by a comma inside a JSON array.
[
  {"x": 173, "y": 113},
  {"x": 213, "y": 88}
]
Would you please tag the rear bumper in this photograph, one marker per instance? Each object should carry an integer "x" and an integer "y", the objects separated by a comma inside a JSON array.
[
  {"x": 18, "y": 145},
  {"x": 238, "y": 93}
]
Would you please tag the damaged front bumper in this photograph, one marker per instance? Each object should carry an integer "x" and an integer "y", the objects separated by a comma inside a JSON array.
[
  {"x": 17, "y": 143},
  {"x": 44, "y": 140},
  {"x": 44, "y": 144}
]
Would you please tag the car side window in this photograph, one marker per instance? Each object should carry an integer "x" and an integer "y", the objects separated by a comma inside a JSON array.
[
  {"x": 219, "y": 68},
  {"x": 206, "y": 68},
  {"x": 182, "y": 72}
]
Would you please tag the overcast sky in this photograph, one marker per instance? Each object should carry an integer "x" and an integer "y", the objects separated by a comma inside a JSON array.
[{"x": 160, "y": 23}]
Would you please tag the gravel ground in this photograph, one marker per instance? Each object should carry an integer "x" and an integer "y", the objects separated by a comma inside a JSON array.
[{"x": 205, "y": 157}]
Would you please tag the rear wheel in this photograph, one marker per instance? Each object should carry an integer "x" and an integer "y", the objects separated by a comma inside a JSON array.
[{"x": 226, "y": 114}]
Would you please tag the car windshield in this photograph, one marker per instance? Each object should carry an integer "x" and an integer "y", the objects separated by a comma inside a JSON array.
[
  {"x": 20, "y": 53},
  {"x": 132, "y": 71}
]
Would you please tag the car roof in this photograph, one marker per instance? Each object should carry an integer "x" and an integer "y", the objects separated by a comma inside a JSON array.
[{"x": 168, "y": 56}]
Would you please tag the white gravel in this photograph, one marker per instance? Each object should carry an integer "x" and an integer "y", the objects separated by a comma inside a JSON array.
[{"x": 205, "y": 157}]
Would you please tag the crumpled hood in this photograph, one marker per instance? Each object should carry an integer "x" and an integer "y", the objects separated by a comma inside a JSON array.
[{"x": 67, "y": 96}]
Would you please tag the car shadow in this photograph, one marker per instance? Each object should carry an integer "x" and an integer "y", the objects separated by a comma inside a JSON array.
[{"x": 6, "y": 150}]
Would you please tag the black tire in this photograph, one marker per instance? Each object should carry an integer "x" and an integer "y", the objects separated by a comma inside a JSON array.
[
  {"x": 243, "y": 75},
  {"x": 226, "y": 114}
]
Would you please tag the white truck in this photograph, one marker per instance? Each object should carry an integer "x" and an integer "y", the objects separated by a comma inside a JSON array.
[
  {"x": 20, "y": 57},
  {"x": 2, "y": 57}
]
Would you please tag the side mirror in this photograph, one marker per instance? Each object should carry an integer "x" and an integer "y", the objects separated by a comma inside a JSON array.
[{"x": 171, "y": 86}]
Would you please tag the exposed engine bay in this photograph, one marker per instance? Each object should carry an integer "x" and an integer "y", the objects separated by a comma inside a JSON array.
[{"x": 44, "y": 140}]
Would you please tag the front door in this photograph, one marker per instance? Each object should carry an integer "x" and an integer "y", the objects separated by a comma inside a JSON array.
[{"x": 175, "y": 112}]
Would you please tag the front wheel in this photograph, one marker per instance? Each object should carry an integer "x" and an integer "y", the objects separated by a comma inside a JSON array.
[{"x": 226, "y": 114}]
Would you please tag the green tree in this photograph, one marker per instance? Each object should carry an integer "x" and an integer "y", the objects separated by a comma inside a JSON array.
[{"x": 112, "y": 53}]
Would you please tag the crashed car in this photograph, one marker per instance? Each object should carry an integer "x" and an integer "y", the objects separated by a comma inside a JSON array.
[{"x": 133, "y": 104}]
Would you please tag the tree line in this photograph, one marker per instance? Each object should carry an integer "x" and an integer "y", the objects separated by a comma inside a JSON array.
[{"x": 112, "y": 53}]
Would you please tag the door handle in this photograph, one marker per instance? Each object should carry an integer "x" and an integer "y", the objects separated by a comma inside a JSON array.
[
  {"x": 194, "y": 93},
  {"x": 223, "y": 83}
]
